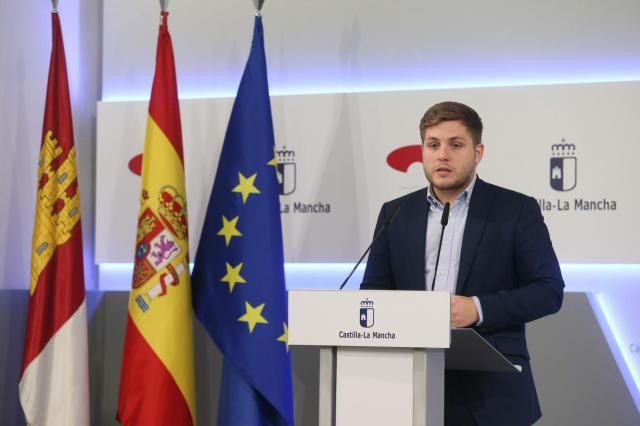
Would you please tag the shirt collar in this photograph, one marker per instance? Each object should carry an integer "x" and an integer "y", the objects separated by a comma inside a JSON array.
[{"x": 464, "y": 196}]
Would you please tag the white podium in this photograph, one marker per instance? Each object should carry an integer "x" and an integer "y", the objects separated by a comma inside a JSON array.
[{"x": 382, "y": 354}]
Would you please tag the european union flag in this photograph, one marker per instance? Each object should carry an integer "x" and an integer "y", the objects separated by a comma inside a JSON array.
[{"x": 238, "y": 278}]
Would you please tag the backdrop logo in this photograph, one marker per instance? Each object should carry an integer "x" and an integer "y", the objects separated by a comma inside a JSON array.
[
  {"x": 135, "y": 165},
  {"x": 401, "y": 158},
  {"x": 286, "y": 171},
  {"x": 366, "y": 313},
  {"x": 563, "y": 167}
]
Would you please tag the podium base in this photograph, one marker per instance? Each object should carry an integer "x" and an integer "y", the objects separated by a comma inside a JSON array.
[{"x": 381, "y": 386}]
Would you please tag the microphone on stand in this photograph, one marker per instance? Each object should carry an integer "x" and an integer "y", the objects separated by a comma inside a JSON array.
[
  {"x": 443, "y": 221},
  {"x": 384, "y": 226}
]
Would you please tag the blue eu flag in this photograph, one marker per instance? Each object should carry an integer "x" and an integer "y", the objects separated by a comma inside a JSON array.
[{"x": 238, "y": 278}]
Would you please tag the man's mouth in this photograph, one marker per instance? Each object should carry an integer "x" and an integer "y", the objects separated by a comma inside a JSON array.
[{"x": 443, "y": 171}]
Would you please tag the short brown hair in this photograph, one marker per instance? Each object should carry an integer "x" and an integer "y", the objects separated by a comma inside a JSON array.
[{"x": 453, "y": 111}]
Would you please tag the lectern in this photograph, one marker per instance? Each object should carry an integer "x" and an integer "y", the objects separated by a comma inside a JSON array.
[{"x": 382, "y": 353}]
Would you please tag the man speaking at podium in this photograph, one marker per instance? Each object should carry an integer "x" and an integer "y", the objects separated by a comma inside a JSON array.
[{"x": 496, "y": 260}]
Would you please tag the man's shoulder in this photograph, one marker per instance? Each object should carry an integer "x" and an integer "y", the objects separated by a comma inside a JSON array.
[
  {"x": 416, "y": 196},
  {"x": 499, "y": 193}
]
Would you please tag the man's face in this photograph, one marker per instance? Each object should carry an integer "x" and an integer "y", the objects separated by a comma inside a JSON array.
[{"x": 449, "y": 158}]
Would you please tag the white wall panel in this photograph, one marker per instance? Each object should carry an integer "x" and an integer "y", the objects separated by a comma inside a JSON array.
[{"x": 361, "y": 44}]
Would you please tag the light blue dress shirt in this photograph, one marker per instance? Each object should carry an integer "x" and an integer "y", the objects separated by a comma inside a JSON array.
[{"x": 451, "y": 242}]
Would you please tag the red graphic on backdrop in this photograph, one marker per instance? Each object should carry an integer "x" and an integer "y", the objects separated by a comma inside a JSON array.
[
  {"x": 135, "y": 165},
  {"x": 400, "y": 159}
]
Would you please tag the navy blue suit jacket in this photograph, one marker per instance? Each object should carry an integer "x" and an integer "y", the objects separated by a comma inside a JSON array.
[{"x": 508, "y": 262}]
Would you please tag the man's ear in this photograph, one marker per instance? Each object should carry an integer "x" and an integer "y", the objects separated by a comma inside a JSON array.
[{"x": 479, "y": 151}]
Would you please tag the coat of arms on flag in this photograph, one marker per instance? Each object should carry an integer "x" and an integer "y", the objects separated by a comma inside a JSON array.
[{"x": 157, "y": 245}]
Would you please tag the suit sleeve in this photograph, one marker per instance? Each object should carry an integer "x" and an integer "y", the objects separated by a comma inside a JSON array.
[
  {"x": 378, "y": 274},
  {"x": 538, "y": 288}
]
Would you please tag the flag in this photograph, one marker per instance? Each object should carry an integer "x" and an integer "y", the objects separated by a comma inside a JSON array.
[
  {"x": 54, "y": 385},
  {"x": 238, "y": 278},
  {"x": 157, "y": 377}
]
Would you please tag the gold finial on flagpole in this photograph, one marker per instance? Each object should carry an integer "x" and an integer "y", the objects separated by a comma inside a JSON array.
[{"x": 258, "y": 4}]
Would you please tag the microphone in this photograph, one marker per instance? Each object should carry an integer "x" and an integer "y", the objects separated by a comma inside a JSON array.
[
  {"x": 384, "y": 226},
  {"x": 443, "y": 221}
]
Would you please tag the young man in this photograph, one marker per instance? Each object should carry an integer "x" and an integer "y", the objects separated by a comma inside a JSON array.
[{"x": 497, "y": 261}]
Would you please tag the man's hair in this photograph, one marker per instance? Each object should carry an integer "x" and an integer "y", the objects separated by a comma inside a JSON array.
[{"x": 453, "y": 111}]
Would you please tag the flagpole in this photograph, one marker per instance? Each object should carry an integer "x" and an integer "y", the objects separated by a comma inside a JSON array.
[
  {"x": 164, "y": 4},
  {"x": 54, "y": 6}
]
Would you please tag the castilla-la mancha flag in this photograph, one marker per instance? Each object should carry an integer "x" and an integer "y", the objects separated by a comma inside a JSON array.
[
  {"x": 54, "y": 386},
  {"x": 157, "y": 377}
]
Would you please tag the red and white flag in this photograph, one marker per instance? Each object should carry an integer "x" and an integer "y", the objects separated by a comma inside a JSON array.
[{"x": 54, "y": 385}]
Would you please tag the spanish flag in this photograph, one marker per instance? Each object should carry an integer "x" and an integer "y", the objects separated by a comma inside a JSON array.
[
  {"x": 54, "y": 386},
  {"x": 157, "y": 376}
]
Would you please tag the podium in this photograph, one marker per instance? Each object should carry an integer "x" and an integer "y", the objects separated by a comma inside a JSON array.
[{"x": 383, "y": 353}]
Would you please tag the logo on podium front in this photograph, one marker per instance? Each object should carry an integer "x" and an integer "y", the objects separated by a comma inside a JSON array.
[{"x": 366, "y": 313}]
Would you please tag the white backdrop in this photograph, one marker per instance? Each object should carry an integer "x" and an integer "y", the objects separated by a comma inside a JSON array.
[
  {"x": 339, "y": 144},
  {"x": 312, "y": 46}
]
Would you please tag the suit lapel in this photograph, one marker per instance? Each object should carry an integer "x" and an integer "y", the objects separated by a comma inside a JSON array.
[
  {"x": 476, "y": 220},
  {"x": 415, "y": 234}
]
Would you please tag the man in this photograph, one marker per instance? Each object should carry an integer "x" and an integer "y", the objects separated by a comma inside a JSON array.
[{"x": 497, "y": 261}]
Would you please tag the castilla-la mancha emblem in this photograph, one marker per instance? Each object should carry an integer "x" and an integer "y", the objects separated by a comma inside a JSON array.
[
  {"x": 286, "y": 170},
  {"x": 563, "y": 168},
  {"x": 366, "y": 313}
]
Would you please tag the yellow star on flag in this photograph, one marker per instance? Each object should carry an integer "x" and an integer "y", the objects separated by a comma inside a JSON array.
[
  {"x": 233, "y": 276},
  {"x": 285, "y": 336},
  {"x": 246, "y": 187},
  {"x": 229, "y": 229},
  {"x": 253, "y": 316},
  {"x": 273, "y": 162}
]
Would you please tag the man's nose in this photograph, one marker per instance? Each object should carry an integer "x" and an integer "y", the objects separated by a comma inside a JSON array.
[{"x": 443, "y": 152}]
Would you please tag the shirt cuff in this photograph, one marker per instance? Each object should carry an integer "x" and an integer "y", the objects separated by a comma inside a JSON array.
[{"x": 479, "y": 309}]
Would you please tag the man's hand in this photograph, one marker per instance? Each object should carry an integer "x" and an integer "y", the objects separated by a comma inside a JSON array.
[{"x": 463, "y": 312}]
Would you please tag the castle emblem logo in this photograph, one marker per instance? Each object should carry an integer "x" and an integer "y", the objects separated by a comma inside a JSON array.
[
  {"x": 57, "y": 203},
  {"x": 286, "y": 171},
  {"x": 366, "y": 313},
  {"x": 563, "y": 168}
]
